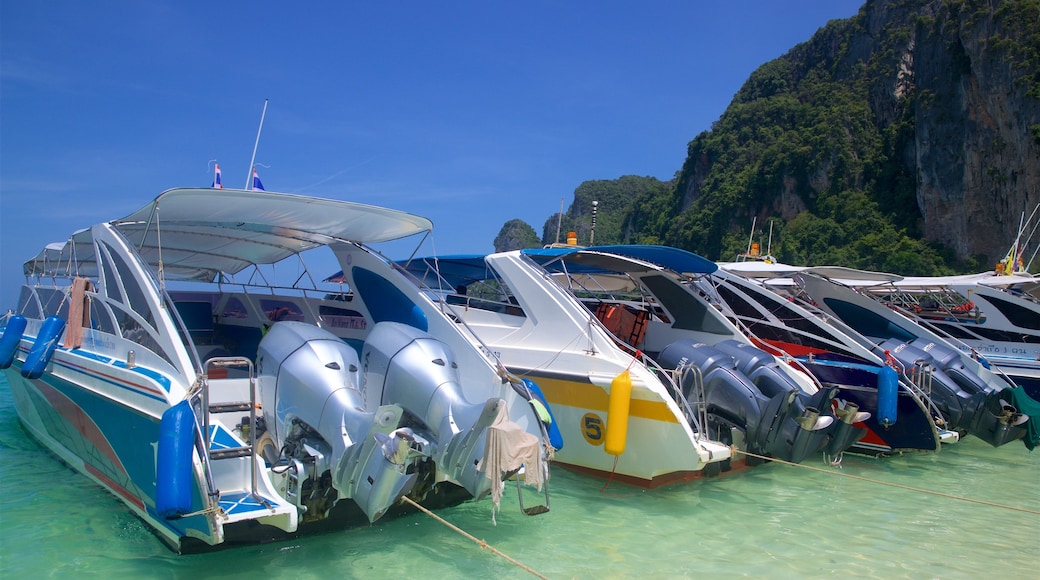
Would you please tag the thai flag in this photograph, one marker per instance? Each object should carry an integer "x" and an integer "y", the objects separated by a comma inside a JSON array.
[
  {"x": 216, "y": 177},
  {"x": 256, "y": 181}
]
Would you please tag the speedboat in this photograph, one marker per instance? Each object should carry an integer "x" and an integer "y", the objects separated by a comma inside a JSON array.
[
  {"x": 973, "y": 400},
  {"x": 617, "y": 415},
  {"x": 574, "y": 318},
  {"x": 163, "y": 356},
  {"x": 902, "y": 417},
  {"x": 993, "y": 318}
]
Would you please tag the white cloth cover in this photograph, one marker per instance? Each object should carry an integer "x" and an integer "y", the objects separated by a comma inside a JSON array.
[{"x": 508, "y": 448}]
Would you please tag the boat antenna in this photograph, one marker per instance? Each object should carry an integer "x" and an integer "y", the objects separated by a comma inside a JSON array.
[
  {"x": 559, "y": 221},
  {"x": 769, "y": 246},
  {"x": 252, "y": 160},
  {"x": 751, "y": 238},
  {"x": 1029, "y": 238}
]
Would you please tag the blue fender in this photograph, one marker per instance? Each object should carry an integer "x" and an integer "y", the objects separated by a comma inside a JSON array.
[
  {"x": 173, "y": 468},
  {"x": 888, "y": 393},
  {"x": 11, "y": 340},
  {"x": 555, "y": 437},
  {"x": 42, "y": 350}
]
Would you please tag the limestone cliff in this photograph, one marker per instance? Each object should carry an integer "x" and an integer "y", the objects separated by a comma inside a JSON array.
[{"x": 915, "y": 117}]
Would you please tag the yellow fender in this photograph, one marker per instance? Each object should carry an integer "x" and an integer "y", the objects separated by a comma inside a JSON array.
[{"x": 617, "y": 413}]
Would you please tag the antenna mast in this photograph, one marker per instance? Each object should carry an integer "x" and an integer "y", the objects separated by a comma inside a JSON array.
[
  {"x": 769, "y": 248},
  {"x": 252, "y": 160},
  {"x": 751, "y": 238},
  {"x": 559, "y": 221}
]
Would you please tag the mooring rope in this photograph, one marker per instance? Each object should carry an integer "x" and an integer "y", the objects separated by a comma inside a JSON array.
[
  {"x": 483, "y": 544},
  {"x": 733, "y": 449}
]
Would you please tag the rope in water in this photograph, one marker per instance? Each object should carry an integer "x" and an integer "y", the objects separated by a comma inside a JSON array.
[
  {"x": 734, "y": 450},
  {"x": 483, "y": 544}
]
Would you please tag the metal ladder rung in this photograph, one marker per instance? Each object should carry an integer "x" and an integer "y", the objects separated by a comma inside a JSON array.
[
  {"x": 230, "y": 453},
  {"x": 230, "y": 407}
]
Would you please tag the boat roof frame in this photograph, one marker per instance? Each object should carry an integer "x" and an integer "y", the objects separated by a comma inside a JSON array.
[{"x": 199, "y": 234}]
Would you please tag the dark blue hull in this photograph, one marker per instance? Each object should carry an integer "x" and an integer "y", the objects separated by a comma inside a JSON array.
[{"x": 913, "y": 430}]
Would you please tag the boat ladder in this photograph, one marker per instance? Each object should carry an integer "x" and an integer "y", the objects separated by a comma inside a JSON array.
[
  {"x": 921, "y": 375},
  {"x": 921, "y": 378},
  {"x": 217, "y": 440},
  {"x": 688, "y": 384}
]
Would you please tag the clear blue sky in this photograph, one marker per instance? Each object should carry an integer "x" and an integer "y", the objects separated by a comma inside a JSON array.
[{"x": 470, "y": 113}]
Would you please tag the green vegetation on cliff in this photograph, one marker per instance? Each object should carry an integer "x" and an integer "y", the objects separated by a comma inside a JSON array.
[{"x": 881, "y": 132}]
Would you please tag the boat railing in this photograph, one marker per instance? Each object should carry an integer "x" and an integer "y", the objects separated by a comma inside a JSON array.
[
  {"x": 696, "y": 411},
  {"x": 214, "y": 368},
  {"x": 918, "y": 381},
  {"x": 921, "y": 375}
]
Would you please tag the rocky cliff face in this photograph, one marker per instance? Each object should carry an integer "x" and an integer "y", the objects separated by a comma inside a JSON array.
[
  {"x": 976, "y": 158},
  {"x": 950, "y": 146}
]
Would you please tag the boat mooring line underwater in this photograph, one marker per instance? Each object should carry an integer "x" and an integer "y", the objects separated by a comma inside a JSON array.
[
  {"x": 482, "y": 543},
  {"x": 889, "y": 484}
]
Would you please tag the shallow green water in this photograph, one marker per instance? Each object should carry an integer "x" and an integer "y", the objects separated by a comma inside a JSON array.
[{"x": 770, "y": 521}]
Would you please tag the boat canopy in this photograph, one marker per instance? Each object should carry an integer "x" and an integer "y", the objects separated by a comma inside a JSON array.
[
  {"x": 754, "y": 269},
  {"x": 984, "y": 279},
  {"x": 780, "y": 274},
  {"x": 622, "y": 258},
  {"x": 196, "y": 234}
]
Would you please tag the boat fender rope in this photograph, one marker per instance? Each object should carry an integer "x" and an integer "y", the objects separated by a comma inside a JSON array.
[
  {"x": 733, "y": 449},
  {"x": 482, "y": 543}
]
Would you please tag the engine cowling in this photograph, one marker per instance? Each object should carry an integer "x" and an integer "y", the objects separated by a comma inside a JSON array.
[
  {"x": 317, "y": 415},
  {"x": 409, "y": 368},
  {"x": 781, "y": 422}
]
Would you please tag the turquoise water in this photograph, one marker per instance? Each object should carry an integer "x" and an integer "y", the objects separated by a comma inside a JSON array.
[{"x": 774, "y": 521}]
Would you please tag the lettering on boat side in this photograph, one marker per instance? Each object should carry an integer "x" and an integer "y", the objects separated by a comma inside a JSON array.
[
  {"x": 348, "y": 322},
  {"x": 998, "y": 349}
]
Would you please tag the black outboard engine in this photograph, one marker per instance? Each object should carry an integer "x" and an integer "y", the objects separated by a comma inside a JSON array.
[
  {"x": 968, "y": 403},
  {"x": 763, "y": 370},
  {"x": 951, "y": 361},
  {"x": 777, "y": 419}
]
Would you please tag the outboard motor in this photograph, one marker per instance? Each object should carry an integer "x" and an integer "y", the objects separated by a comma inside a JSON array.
[
  {"x": 948, "y": 360},
  {"x": 407, "y": 367},
  {"x": 967, "y": 402},
  {"x": 781, "y": 424},
  {"x": 317, "y": 416},
  {"x": 813, "y": 411}
]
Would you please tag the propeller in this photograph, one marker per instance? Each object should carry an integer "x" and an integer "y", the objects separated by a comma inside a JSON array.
[
  {"x": 396, "y": 445},
  {"x": 811, "y": 420},
  {"x": 849, "y": 413},
  {"x": 1009, "y": 415}
]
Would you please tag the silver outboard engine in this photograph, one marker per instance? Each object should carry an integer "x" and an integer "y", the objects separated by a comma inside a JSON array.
[
  {"x": 319, "y": 423},
  {"x": 777, "y": 419},
  {"x": 407, "y": 367},
  {"x": 965, "y": 399}
]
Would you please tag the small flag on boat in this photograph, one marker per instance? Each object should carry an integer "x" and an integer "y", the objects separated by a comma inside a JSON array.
[
  {"x": 256, "y": 181},
  {"x": 216, "y": 177}
]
